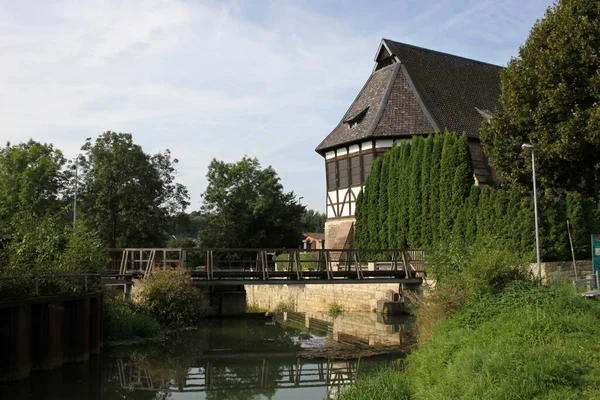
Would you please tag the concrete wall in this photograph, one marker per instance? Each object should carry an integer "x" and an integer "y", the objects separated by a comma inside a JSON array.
[{"x": 314, "y": 298}]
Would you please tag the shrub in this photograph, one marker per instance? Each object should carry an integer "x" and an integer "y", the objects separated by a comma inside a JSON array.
[
  {"x": 335, "y": 309},
  {"x": 285, "y": 306},
  {"x": 169, "y": 296},
  {"x": 124, "y": 321}
]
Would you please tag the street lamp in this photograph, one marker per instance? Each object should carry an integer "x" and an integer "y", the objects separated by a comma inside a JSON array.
[
  {"x": 537, "y": 231},
  {"x": 76, "y": 188}
]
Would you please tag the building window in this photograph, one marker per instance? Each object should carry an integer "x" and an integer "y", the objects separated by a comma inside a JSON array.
[
  {"x": 343, "y": 176},
  {"x": 331, "y": 181},
  {"x": 367, "y": 163},
  {"x": 355, "y": 170}
]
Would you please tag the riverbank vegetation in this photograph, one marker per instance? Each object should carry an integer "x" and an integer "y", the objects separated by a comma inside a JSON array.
[
  {"x": 495, "y": 335},
  {"x": 165, "y": 300}
]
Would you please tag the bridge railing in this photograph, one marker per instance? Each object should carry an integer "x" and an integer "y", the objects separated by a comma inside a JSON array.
[
  {"x": 27, "y": 286},
  {"x": 266, "y": 263}
]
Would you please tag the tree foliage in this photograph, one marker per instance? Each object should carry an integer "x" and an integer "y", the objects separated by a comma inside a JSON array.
[
  {"x": 448, "y": 207},
  {"x": 551, "y": 98},
  {"x": 130, "y": 197},
  {"x": 32, "y": 180},
  {"x": 313, "y": 221},
  {"x": 246, "y": 207}
]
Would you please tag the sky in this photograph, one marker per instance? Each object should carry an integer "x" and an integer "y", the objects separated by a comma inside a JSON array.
[{"x": 222, "y": 79}]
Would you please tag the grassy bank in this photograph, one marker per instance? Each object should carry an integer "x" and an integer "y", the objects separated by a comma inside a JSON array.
[{"x": 522, "y": 342}]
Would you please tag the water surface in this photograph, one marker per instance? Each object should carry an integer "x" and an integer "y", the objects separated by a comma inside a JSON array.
[{"x": 256, "y": 357}]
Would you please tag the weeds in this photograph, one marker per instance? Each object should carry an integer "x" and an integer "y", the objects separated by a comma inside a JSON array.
[
  {"x": 122, "y": 321},
  {"x": 335, "y": 309},
  {"x": 285, "y": 306},
  {"x": 255, "y": 308}
]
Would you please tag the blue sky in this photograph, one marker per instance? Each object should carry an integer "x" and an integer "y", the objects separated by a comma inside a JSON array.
[{"x": 222, "y": 79}]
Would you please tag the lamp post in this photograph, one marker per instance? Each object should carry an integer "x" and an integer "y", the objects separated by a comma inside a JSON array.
[
  {"x": 535, "y": 209},
  {"x": 76, "y": 188}
]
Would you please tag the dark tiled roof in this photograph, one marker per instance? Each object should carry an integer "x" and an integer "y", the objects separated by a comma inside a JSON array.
[
  {"x": 426, "y": 92},
  {"x": 451, "y": 87},
  {"x": 372, "y": 97}
]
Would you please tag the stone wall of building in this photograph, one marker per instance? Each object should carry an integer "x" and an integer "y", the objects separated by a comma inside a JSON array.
[
  {"x": 315, "y": 298},
  {"x": 338, "y": 233}
]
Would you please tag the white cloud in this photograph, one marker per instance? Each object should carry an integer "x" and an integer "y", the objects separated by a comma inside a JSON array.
[{"x": 212, "y": 79}]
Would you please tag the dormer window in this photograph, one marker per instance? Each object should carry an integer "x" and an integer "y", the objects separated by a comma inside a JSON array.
[{"x": 354, "y": 120}]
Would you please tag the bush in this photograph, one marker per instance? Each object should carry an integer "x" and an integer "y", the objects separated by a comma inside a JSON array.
[
  {"x": 463, "y": 273},
  {"x": 335, "y": 309},
  {"x": 169, "y": 296},
  {"x": 285, "y": 306},
  {"x": 124, "y": 321}
]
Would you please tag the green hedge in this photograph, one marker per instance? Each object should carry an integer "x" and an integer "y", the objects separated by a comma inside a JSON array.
[{"x": 423, "y": 193}]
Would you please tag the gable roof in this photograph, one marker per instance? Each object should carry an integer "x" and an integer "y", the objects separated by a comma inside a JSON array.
[{"x": 422, "y": 91}]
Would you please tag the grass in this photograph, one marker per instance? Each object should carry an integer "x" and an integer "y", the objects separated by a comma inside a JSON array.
[
  {"x": 254, "y": 308},
  {"x": 524, "y": 342}
]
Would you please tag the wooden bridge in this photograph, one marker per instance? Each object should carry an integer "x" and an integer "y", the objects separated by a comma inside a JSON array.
[{"x": 209, "y": 267}]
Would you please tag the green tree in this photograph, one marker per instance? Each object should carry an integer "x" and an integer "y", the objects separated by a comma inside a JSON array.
[
  {"x": 414, "y": 188},
  {"x": 383, "y": 207},
  {"x": 448, "y": 165},
  {"x": 403, "y": 195},
  {"x": 313, "y": 221},
  {"x": 360, "y": 227},
  {"x": 372, "y": 207},
  {"x": 554, "y": 241},
  {"x": 32, "y": 180},
  {"x": 583, "y": 216},
  {"x": 551, "y": 98},
  {"x": 434, "y": 199},
  {"x": 463, "y": 173},
  {"x": 426, "y": 235},
  {"x": 471, "y": 214},
  {"x": 393, "y": 198},
  {"x": 246, "y": 207},
  {"x": 128, "y": 196}
]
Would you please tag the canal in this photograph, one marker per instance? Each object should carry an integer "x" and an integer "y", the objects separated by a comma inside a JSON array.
[{"x": 287, "y": 356}]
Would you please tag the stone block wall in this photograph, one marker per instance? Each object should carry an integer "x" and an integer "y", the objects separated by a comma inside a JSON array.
[{"x": 314, "y": 298}]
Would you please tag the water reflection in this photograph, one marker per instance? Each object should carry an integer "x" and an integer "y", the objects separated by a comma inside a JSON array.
[{"x": 250, "y": 358}]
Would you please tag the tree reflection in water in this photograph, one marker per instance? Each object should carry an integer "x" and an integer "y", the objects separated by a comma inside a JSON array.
[{"x": 233, "y": 359}]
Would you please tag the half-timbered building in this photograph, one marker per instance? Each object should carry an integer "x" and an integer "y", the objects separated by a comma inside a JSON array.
[{"x": 411, "y": 91}]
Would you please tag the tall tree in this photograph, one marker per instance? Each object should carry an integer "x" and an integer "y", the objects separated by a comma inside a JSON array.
[
  {"x": 32, "y": 180},
  {"x": 426, "y": 235},
  {"x": 414, "y": 188},
  {"x": 434, "y": 198},
  {"x": 403, "y": 194},
  {"x": 393, "y": 198},
  {"x": 551, "y": 98},
  {"x": 130, "y": 197},
  {"x": 372, "y": 187},
  {"x": 383, "y": 207},
  {"x": 448, "y": 165},
  {"x": 313, "y": 221},
  {"x": 246, "y": 207}
]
